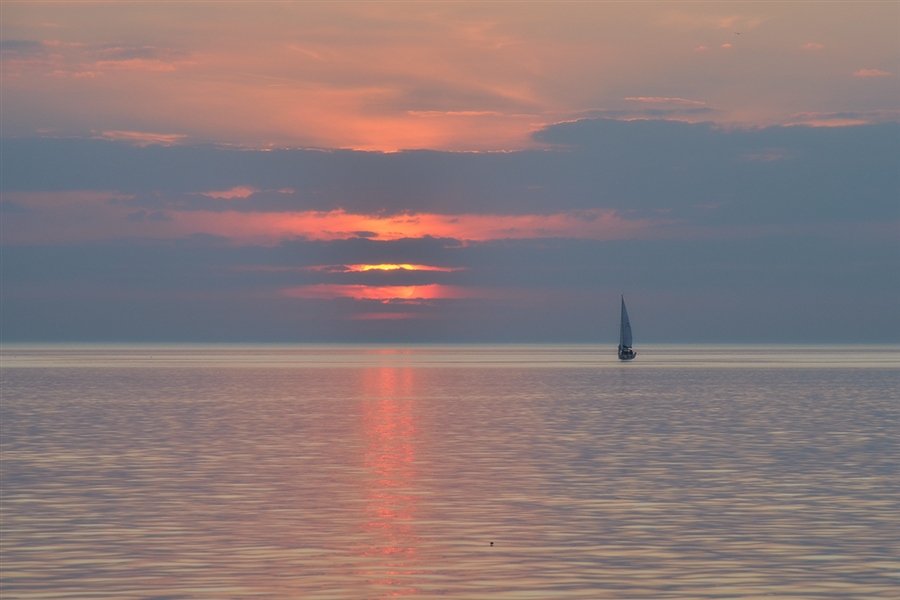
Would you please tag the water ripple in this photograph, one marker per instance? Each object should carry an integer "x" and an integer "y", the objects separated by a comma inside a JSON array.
[{"x": 389, "y": 475}]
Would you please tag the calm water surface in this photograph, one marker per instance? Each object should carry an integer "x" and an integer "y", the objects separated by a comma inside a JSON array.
[{"x": 345, "y": 472}]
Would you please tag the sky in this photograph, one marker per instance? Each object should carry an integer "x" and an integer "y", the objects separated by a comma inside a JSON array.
[{"x": 396, "y": 172}]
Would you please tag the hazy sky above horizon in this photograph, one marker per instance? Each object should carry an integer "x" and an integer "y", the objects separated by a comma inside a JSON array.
[{"x": 450, "y": 171}]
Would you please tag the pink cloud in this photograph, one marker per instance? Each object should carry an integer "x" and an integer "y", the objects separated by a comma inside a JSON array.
[
  {"x": 399, "y": 267},
  {"x": 386, "y": 294},
  {"x": 464, "y": 76},
  {"x": 108, "y": 215},
  {"x": 358, "y": 268},
  {"x": 871, "y": 73},
  {"x": 338, "y": 224}
]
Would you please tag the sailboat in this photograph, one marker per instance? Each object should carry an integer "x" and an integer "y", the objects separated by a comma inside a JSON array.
[{"x": 625, "y": 351}]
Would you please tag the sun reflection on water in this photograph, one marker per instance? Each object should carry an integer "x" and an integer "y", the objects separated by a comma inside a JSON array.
[
  {"x": 326, "y": 473},
  {"x": 391, "y": 436}
]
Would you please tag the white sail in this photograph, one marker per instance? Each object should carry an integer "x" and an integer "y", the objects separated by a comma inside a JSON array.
[{"x": 624, "y": 329}]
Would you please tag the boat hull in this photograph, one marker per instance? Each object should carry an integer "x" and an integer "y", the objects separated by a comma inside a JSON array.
[{"x": 626, "y": 354}]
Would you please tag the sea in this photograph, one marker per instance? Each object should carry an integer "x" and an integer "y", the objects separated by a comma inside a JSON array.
[{"x": 335, "y": 472}]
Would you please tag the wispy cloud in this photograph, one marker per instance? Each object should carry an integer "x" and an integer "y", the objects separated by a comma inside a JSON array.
[
  {"x": 845, "y": 119},
  {"x": 871, "y": 73},
  {"x": 112, "y": 216},
  {"x": 448, "y": 246},
  {"x": 134, "y": 64},
  {"x": 351, "y": 268},
  {"x": 770, "y": 155},
  {"x": 664, "y": 100},
  {"x": 143, "y": 138},
  {"x": 338, "y": 224},
  {"x": 21, "y": 47},
  {"x": 394, "y": 76},
  {"x": 77, "y": 59},
  {"x": 240, "y": 191}
]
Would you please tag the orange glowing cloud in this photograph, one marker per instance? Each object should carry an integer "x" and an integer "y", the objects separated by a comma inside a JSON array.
[
  {"x": 349, "y": 268},
  {"x": 331, "y": 225},
  {"x": 142, "y": 138},
  {"x": 388, "y": 76},
  {"x": 413, "y": 294},
  {"x": 403, "y": 267},
  {"x": 48, "y": 216}
]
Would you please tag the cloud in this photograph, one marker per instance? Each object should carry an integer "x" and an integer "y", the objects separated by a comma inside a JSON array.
[
  {"x": 769, "y": 155},
  {"x": 378, "y": 316},
  {"x": 405, "y": 294},
  {"x": 79, "y": 60},
  {"x": 453, "y": 77},
  {"x": 565, "y": 157},
  {"x": 134, "y": 64},
  {"x": 729, "y": 289},
  {"x": 114, "y": 53},
  {"x": 143, "y": 215},
  {"x": 21, "y": 47},
  {"x": 395, "y": 267},
  {"x": 598, "y": 178},
  {"x": 871, "y": 73},
  {"x": 246, "y": 227},
  {"x": 681, "y": 18},
  {"x": 238, "y": 191},
  {"x": 352, "y": 268},
  {"x": 845, "y": 119},
  {"x": 8, "y": 206},
  {"x": 143, "y": 138},
  {"x": 813, "y": 46},
  {"x": 657, "y": 100},
  {"x": 21, "y": 57}
]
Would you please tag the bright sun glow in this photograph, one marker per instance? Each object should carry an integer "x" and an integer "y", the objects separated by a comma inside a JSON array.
[
  {"x": 413, "y": 294},
  {"x": 114, "y": 220},
  {"x": 338, "y": 224},
  {"x": 399, "y": 267}
]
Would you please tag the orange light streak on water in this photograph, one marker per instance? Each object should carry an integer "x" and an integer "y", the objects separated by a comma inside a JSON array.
[{"x": 391, "y": 435}]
